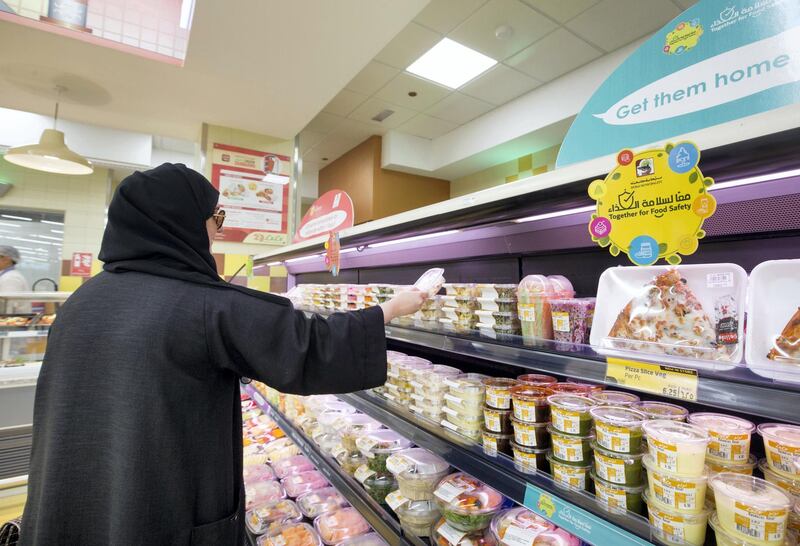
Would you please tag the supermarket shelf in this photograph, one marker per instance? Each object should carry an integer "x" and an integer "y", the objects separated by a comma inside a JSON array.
[
  {"x": 577, "y": 512},
  {"x": 377, "y": 516},
  {"x": 24, "y": 333}
]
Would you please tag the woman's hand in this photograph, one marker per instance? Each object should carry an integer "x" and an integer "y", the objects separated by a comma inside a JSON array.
[{"x": 406, "y": 302}]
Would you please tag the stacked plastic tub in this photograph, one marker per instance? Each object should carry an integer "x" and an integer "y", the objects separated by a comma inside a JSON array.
[
  {"x": 464, "y": 402},
  {"x": 498, "y": 316},
  {"x": 429, "y": 390}
]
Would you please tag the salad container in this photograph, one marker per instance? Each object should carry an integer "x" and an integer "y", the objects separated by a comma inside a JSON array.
[
  {"x": 677, "y": 447},
  {"x": 497, "y": 420},
  {"x": 519, "y": 526},
  {"x": 377, "y": 446},
  {"x": 354, "y": 426},
  {"x": 530, "y": 459},
  {"x": 782, "y": 447},
  {"x": 496, "y": 442},
  {"x": 570, "y": 414},
  {"x": 613, "y": 398},
  {"x": 259, "y": 493},
  {"x": 268, "y": 517},
  {"x": 340, "y": 525},
  {"x": 570, "y": 475},
  {"x": 321, "y": 501},
  {"x": 616, "y": 497},
  {"x": 686, "y": 494},
  {"x": 531, "y": 434},
  {"x": 380, "y": 485},
  {"x": 417, "y": 517},
  {"x": 297, "y": 485},
  {"x": 729, "y": 436},
  {"x": 676, "y": 528},
  {"x": 568, "y": 448},
  {"x": 661, "y": 410},
  {"x": 418, "y": 472},
  {"x": 350, "y": 461},
  {"x": 296, "y": 534},
  {"x": 619, "y": 468},
  {"x": 618, "y": 428},
  {"x": 530, "y": 403},
  {"x": 572, "y": 319},
  {"x": 466, "y": 503},
  {"x": 444, "y": 534},
  {"x": 506, "y": 306}
]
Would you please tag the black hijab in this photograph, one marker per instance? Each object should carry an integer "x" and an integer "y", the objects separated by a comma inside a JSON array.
[{"x": 157, "y": 225}]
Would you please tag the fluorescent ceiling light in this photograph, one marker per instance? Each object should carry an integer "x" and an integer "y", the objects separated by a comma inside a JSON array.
[
  {"x": 187, "y": 6},
  {"x": 347, "y": 250},
  {"x": 414, "y": 238},
  {"x": 273, "y": 264},
  {"x": 300, "y": 259},
  {"x": 556, "y": 214},
  {"x": 56, "y": 231},
  {"x": 451, "y": 64},
  {"x": 9, "y": 225},
  {"x": 754, "y": 179},
  {"x": 48, "y": 237},
  {"x": 52, "y": 223},
  {"x": 24, "y": 218}
]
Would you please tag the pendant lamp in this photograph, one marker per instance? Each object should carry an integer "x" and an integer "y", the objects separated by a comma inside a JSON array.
[{"x": 51, "y": 154}]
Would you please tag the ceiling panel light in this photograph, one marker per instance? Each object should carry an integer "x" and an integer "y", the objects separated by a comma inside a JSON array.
[{"x": 451, "y": 64}]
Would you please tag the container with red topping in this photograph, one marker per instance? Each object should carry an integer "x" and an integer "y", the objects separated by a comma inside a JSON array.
[
  {"x": 300, "y": 484},
  {"x": 321, "y": 501},
  {"x": 729, "y": 436},
  {"x": 519, "y": 526},
  {"x": 537, "y": 380},
  {"x": 578, "y": 389},
  {"x": 340, "y": 525},
  {"x": 466, "y": 503},
  {"x": 498, "y": 391},
  {"x": 530, "y": 403}
]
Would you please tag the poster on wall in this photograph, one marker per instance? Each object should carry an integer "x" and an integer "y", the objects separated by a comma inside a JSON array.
[
  {"x": 254, "y": 191},
  {"x": 81, "y": 264},
  {"x": 714, "y": 63}
]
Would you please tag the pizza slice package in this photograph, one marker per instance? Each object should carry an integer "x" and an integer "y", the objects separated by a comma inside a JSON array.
[
  {"x": 773, "y": 323},
  {"x": 693, "y": 312}
]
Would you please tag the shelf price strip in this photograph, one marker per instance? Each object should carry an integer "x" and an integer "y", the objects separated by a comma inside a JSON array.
[
  {"x": 670, "y": 381},
  {"x": 577, "y": 521}
]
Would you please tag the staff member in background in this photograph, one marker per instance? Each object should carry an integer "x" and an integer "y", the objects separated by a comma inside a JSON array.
[
  {"x": 137, "y": 426},
  {"x": 11, "y": 280}
]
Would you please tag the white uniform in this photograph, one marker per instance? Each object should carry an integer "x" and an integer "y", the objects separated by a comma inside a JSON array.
[{"x": 12, "y": 280}]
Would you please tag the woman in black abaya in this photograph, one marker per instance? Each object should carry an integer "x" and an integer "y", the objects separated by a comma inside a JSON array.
[{"x": 137, "y": 420}]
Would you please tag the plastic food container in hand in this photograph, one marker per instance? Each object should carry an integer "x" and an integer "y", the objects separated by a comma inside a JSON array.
[
  {"x": 496, "y": 442},
  {"x": 782, "y": 447},
  {"x": 676, "y": 528},
  {"x": 377, "y": 446},
  {"x": 530, "y": 403},
  {"x": 296, "y": 534},
  {"x": 417, "y": 517},
  {"x": 531, "y": 434},
  {"x": 568, "y": 448},
  {"x": 370, "y": 539},
  {"x": 661, "y": 410},
  {"x": 257, "y": 473},
  {"x": 418, "y": 472},
  {"x": 380, "y": 485},
  {"x": 263, "y": 492},
  {"x": 570, "y": 475},
  {"x": 355, "y": 426},
  {"x": 572, "y": 319},
  {"x": 292, "y": 465},
  {"x": 342, "y": 524},
  {"x": 320, "y": 502},
  {"x": 618, "y": 428},
  {"x": 729, "y": 437},
  {"x": 621, "y": 468},
  {"x": 272, "y": 515},
  {"x": 570, "y": 414},
  {"x": 686, "y": 494},
  {"x": 616, "y": 497},
  {"x": 613, "y": 398},
  {"x": 466, "y": 503},
  {"x": 519, "y": 526},
  {"x": 497, "y": 420},
  {"x": 300, "y": 484},
  {"x": 751, "y": 508},
  {"x": 444, "y": 534},
  {"x": 530, "y": 459},
  {"x": 677, "y": 447}
]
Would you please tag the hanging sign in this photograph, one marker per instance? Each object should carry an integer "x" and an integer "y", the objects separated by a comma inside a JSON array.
[
  {"x": 716, "y": 62},
  {"x": 332, "y": 248},
  {"x": 653, "y": 204},
  {"x": 333, "y": 211},
  {"x": 81, "y": 264}
]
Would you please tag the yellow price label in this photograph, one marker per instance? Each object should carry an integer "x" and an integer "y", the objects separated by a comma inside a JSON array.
[{"x": 671, "y": 381}]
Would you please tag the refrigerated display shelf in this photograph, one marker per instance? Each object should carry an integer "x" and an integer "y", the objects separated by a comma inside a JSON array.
[
  {"x": 380, "y": 520},
  {"x": 575, "y": 511}
]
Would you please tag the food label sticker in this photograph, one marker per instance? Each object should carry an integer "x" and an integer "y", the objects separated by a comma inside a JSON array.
[
  {"x": 449, "y": 411},
  {"x": 671, "y": 381},
  {"x": 719, "y": 280},
  {"x": 676, "y": 493},
  {"x": 397, "y": 464},
  {"x": 612, "y": 498},
  {"x": 729, "y": 447},
  {"x": 609, "y": 469},
  {"x": 362, "y": 473},
  {"x": 500, "y": 399},
  {"x": 517, "y": 536},
  {"x": 395, "y": 500},
  {"x": 613, "y": 438},
  {"x": 365, "y": 443},
  {"x": 338, "y": 451},
  {"x": 783, "y": 456},
  {"x": 447, "y": 424},
  {"x": 566, "y": 421},
  {"x": 451, "y": 384},
  {"x": 671, "y": 526},
  {"x": 490, "y": 444},
  {"x": 527, "y": 312},
  {"x": 666, "y": 454},
  {"x": 768, "y": 525},
  {"x": 450, "y": 535},
  {"x": 525, "y": 437},
  {"x": 568, "y": 450},
  {"x": 569, "y": 477},
  {"x": 454, "y": 400},
  {"x": 278, "y": 540},
  {"x": 415, "y": 409},
  {"x": 561, "y": 321},
  {"x": 447, "y": 492},
  {"x": 388, "y": 396},
  {"x": 492, "y": 420}
]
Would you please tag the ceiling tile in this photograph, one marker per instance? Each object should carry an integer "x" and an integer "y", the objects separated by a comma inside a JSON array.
[
  {"x": 554, "y": 55},
  {"x": 561, "y": 10},
  {"x": 612, "y": 24},
  {"x": 427, "y": 127},
  {"x": 374, "y": 76},
  {"x": 373, "y": 106},
  {"x": 444, "y": 15},
  {"x": 324, "y": 123},
  {"x": 499, "y": 85},
  {"x": 309, "y": 139},
  {"x": 478, "y": 32},
  {"x": 459, "y": 108},
  {"x": 428, "y": 93},
  {"x": 345, "y": 102},
  {"x": 408, "y": 46}
]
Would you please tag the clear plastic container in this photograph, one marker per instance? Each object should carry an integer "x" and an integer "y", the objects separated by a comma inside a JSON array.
[
  {"x": 686, "y": 494},
  {"x": 751, "y": 508},
  {"x": 370, "y": 539},
  {"x": 521, "y": 525},
  {"x": 279, "y": 450},
  {"x": 570, "y": 475},
  {"x": 495, "y": 442},
  {"x": 497, "y": 420},
  {"x": 506, "y": 306},
  {"x": 577, "y": 389},
  {"x": 568, "y": 448},
  {"x": 729, "y": 437},
  {"x": 296, "y": 534},
  {"x": 292, "y": 465},
  {"x": 354, "y": 426},
  {"x": 460, "y": 289},
  {"x": 618, "y": 428},
  {"x": 380, "y": 485},
  {"x": 268, "y": 517},
  {"x": 782, "y": 447},
  {"x": 677, "y": 447},
  {"x": 506, "y": 319},
  {"x": 746, "y": 468},
  {"x": 537, "y": 380},
  {"x": 257, "y": 473},
  {"x": 417, "y": 517},
  {"x": 418, "y": 472},
  {"x": 263, "y": 492},
  {"x": 409, "y": 366},
  {"x": 725, "y": 538},
  {"x": 621, "y": 468},
  {"x": 468, "y": 388},
  {"x": 300, "y": 484},
  {"x": 444, "y": 534},
  {"x": 433, "y": 380},
  {"x": 377, "y": 446},
  {"x": 488, "y": 305},
  {"x": 570, "y": 414},
  {"x": 530, "y": 403},
  {"x": 535, "y": 293},
  {"x": 350, "y": 461},
  {"x": 470, "y": 433},
  {"x": 340, "y": 525},
  {"x": 616, "y": 497},
  {"x": 531, "y": 434},
  {"x": 676, "y": 528},
  {"x": 321, "y": 501},
  {"x": 466, "y": 503},
  {"x": 661, "y": 410},
  {"x": 530, "y": 459},
  {"x": 465, "y": 421},
  {"x": 614, "y": 398},
  {"x": 572, "y": 319},
  {"x": 787, "y": 483}
]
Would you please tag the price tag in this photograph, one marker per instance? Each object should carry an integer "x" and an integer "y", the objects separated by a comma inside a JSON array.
[
  {"x": 397, "y": 464},
  {"x": 517, "y": 536},
  {"x": 447, "y": 492},
  {"x": 395, "y": 500},
  {"x": 671, "y": 381},
  {"x": 258, "y": 398},
  {"x": 362, "y": 473},
  {"x": 338, "y": 451},
  {"x": 449, "y": 534},
  {"x": 447, "y": 424}
]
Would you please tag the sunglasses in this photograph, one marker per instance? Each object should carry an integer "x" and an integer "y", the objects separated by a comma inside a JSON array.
[{"x": 219, "y": 217}]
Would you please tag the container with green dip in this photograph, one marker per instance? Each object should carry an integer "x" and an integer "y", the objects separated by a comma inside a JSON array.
[
  {"x": 618, "y": 428},
  {"x": 570, "y": 414},
  {"x": 619, "y": 468},
  {"x": 568, "y": 448},
  {"x": 615, "y": 497}
]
